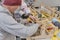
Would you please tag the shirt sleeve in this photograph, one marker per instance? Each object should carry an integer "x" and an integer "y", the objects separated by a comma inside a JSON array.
[
  {"x": 25, "y": 8},
  {"x": 8, "y": 24}
]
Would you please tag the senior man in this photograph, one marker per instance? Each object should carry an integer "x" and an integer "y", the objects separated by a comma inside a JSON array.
[{"x": 9, "y": 26}]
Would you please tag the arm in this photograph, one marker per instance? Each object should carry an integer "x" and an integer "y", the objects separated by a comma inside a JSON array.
[{"x": 8, "y": 24}]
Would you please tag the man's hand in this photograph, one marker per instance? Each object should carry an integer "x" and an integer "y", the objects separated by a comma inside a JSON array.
[{"x": 32, "y": 18}]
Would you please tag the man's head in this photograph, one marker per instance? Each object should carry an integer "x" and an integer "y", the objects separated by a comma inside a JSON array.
[{"x": 12, "y": 5}]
